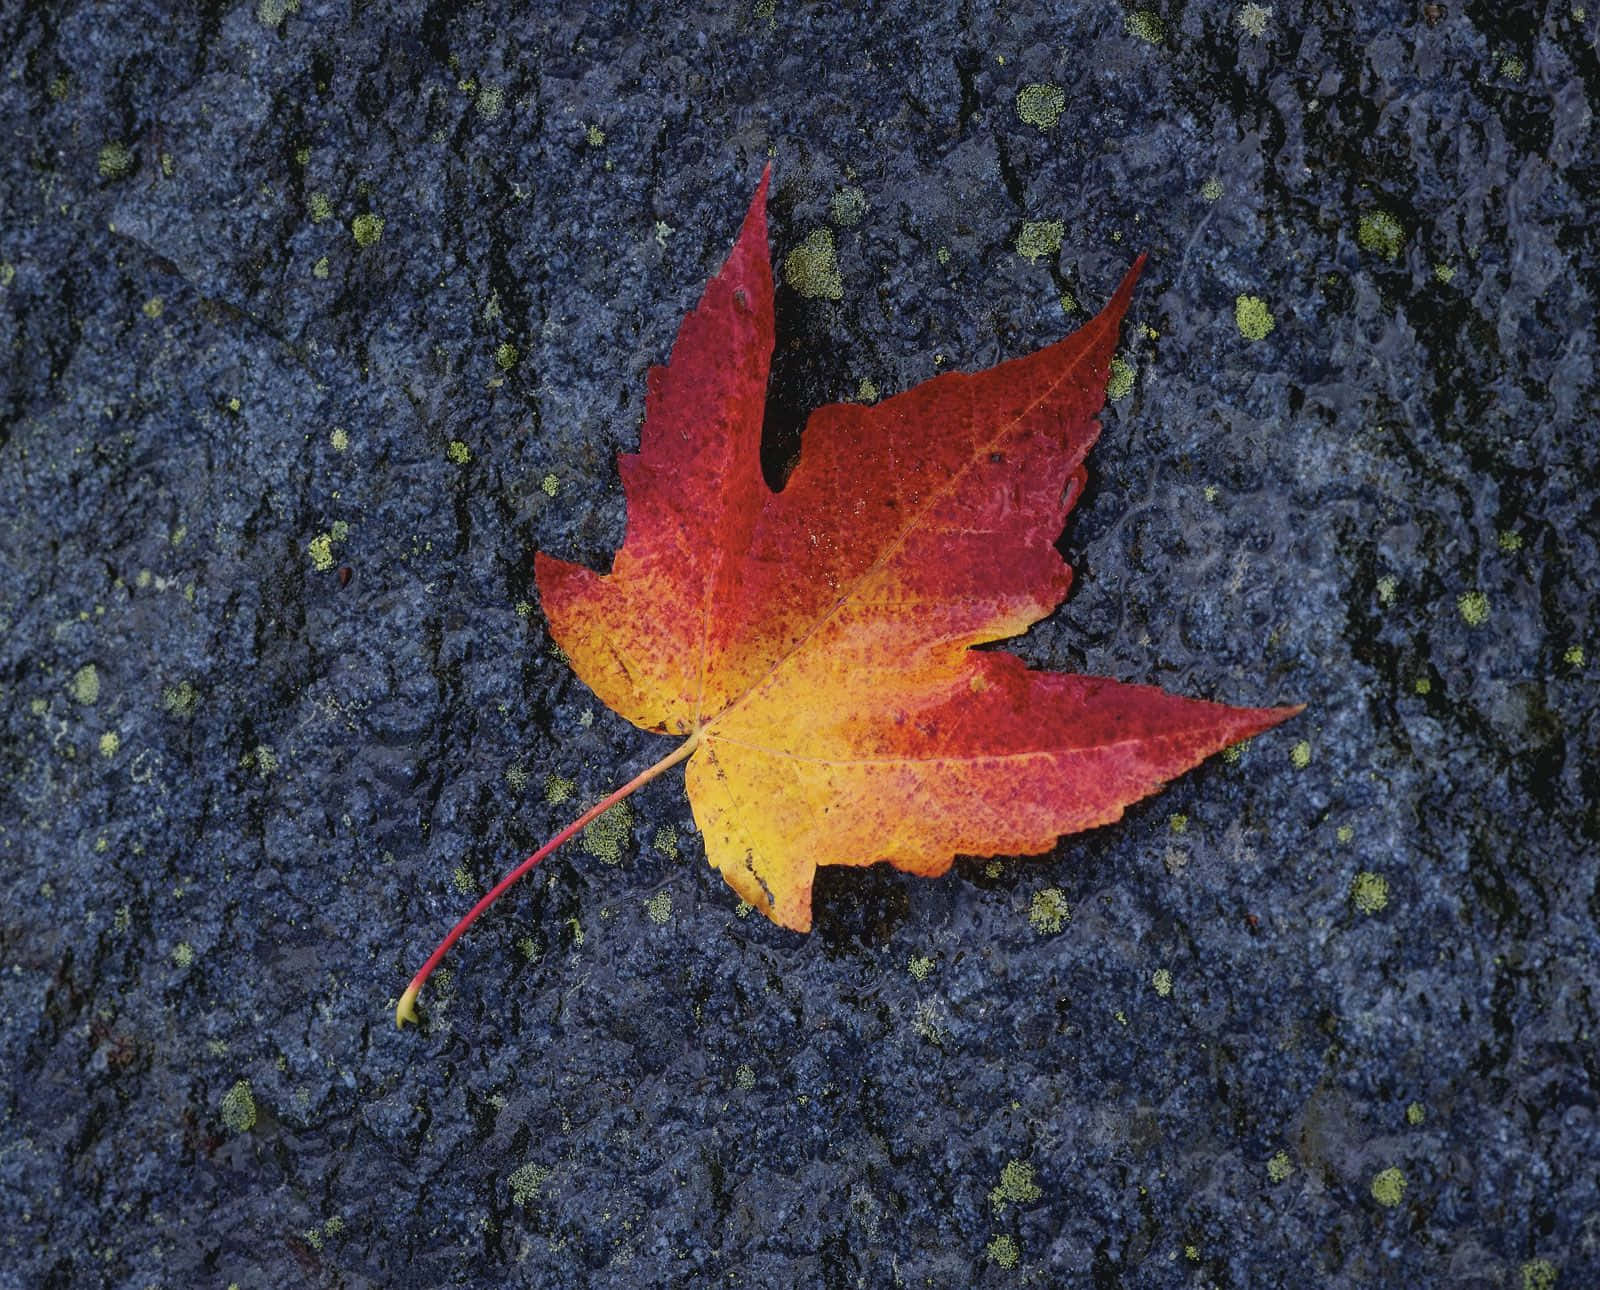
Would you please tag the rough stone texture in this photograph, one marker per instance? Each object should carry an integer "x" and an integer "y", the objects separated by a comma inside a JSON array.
[{"x": 224, "y": 850}]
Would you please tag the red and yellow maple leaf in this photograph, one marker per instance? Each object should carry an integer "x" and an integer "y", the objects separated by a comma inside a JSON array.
[{"x": 814, "y": 645}]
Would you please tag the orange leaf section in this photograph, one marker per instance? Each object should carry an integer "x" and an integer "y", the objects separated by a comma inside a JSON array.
[{"x": 816, "y": 642}]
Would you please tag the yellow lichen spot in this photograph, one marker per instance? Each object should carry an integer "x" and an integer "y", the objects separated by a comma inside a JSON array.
[
  {"x": 1161, "y": 982},
  {"x": 1192, "y": 1253},
  {"x": 1253, "y": 19},
  {"x": 313, "y": 1235},
  {"x": 490, "y": 102},
  {"x": 811, "y": 268},
  {"x": 666, "y": 841},
  {"x": 1386, "y": 589},
  {"x": 109, "y": 743},
  {"x": 1344, "y": 833},
  {"x": 848, "y": 207},
  {"x": 1145, "y": 25},
  {"x": 366, "y": 229},
  {"x": 526, "y": 1181},
  {"x": 920, "y": 966},
  {"x": 320, "y": 268},
  {"x": 1423, "y": 685},
  {"x": 942, "y": 255},
  {"x": 1004, "y": 1251},
  {"x": 1443, "y": 273},
  {"x": 575, "y": 928},
  {"x": 659, "y": 907},
  {"x": 742, "y": 909},
  {"x": 320, "y": 206},
  {"x": 522, "y": 608},
  {"x": 1474, "y": 608},
  {"x": 744, "y": 1079},
  {"x": 1232, "y": 753},
  {"x": 866, "y": 391},
  {"x": 1178, "y": 823},
  {"x": 558, "y": 788},
  {"x": 1049, "y": 912},
  {"x": 339, "y": 530},
  {"x": 86, "y": 685},
  {"x": 595, "y": 137},
  {"x": 506, "y": 356},
  {"x": 8, "y": 274},
  {"x": 180, "y": 699},
  {"x": 1279, "y": 1167},
  {"x": 549, "y": 485},
  {"x": 1509, "y": 540},
  {"x": 339, "y": 439},
  {"x": 1538, "y": 1274},
  {"x": 153, "y": 307},
  {"x": 320, "y": 549},
  {"x": 1120, "y": 382},
  {"x": 1252, "y": 317},
  {"x": 1040, "y": 238},
  {"x": 1300, "y": 755},
  {"x": 458, "y": 452},
  {"x": 1017, "y": 1186},
  {"x": 1574, "y": 656},
  {"x": 607, "y": 836},
  {"x": 1211, "y": 190},
  {"x": 1380, "y": 232},
  {"x": 1513, "y": 68},
  {"x": 1389, "y": 1187},
  {"x": 463, "y": 880},
  {"x": 115, "y": 161},
  {"x": 262, "y": 759},
  {"x": 271, "y": 13},
  {"x": 1068, "y": 302},
  {"x": 1041, "y": 104},
  {"x": 239, "y": 1107},
  {"x": 1416, "y": 1113},
  {"x": 183, "y": 954},
  {"x": 122, "y": 919},
  {"x": 1369, "y": 892}
]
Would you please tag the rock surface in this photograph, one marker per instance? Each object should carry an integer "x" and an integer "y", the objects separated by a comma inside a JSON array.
[{"x": 317, "y": 319}]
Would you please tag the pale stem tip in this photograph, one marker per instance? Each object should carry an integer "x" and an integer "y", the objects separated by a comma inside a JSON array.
[{"x": 407, "y": 1009}]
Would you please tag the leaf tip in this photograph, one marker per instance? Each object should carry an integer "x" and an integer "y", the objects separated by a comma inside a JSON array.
[
  {"x": 1257, "y": 721},
  {"x": 407, "y": 1008},
  {"x": 1118, "y": 303},
  {"x": 755, "y": 221}
]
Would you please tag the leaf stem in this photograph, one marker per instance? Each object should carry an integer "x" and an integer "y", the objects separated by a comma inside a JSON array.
[{"x": 407, "y": 1009}]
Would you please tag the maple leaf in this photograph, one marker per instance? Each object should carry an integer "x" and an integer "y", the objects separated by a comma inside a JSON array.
[{"x": 815, "y": 645}]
